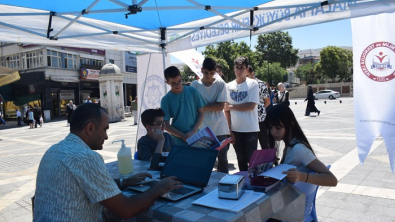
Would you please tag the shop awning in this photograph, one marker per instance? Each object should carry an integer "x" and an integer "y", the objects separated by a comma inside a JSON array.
[{"x": 8, "y": 75}]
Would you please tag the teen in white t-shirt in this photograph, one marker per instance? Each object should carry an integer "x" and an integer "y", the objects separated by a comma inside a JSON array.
[
  {"x": 242, "y": 114},
  {"x": 214, "y": 94}
]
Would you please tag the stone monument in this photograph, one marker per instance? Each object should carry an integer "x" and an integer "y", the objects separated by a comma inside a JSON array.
[{"x": 111, "y": 92}]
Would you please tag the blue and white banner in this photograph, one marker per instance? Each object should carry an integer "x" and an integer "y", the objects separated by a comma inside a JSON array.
[
  {"x": 150, "y": 85},
  {"x": 374, "y": 81}
]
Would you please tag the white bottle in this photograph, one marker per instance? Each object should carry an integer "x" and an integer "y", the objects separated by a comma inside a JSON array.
[{"x": 125, "y": 164}]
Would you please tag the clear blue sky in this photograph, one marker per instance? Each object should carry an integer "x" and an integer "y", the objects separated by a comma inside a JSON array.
[{"x": 336, "y": 33}]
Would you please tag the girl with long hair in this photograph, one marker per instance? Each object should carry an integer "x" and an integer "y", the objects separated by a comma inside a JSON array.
[{"x": 283, "y": 125}]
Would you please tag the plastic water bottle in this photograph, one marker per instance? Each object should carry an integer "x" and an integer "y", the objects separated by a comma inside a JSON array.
[{"x": 125, "y": 164}]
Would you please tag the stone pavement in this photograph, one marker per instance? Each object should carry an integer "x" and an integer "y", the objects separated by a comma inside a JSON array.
[{"x": 364, "y": 192}]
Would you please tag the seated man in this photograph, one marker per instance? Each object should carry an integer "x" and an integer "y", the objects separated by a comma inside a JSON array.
[
  {"x": 156, "y": 141},
  {"x": 73, "y": 183}
]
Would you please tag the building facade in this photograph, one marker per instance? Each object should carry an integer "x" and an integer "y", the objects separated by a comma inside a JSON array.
[{"x": 52, "y": 76}]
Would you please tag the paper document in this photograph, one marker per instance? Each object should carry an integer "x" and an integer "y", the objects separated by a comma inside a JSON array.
[
  {"x": 206, "y": 138},
  {"x": 277, "y": 172},
  {"x": 211, "y": 200}
]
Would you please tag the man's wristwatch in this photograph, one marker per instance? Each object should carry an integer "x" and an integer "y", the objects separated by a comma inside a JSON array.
[{"x": 121, "y": 183}]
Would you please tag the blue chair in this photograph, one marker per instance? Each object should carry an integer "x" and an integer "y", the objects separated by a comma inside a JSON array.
[
  {"x": 136, "y": 155},
  {"x": 310, "y": 190}
]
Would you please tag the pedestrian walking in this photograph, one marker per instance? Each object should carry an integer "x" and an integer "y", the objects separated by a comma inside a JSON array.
[
  {"x": 36, "y": 113},
  {"x": 133, "y": 108},
  {"x": 311, "y": 103},
  {"x": 18, "y": 116},
  {"x": 69, "y": 111},
  {"x": 30, "y": 115}
]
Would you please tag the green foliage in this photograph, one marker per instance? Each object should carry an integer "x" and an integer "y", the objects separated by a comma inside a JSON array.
[
  {"x": 277, "y": 47},
  {"x": 274, "y": 74},
  {"x": 187, "y": 75},
  {"x": 336, "y": 62},
  {"x": 309, "y": 73},
  {"x": 228, "y": 51}
]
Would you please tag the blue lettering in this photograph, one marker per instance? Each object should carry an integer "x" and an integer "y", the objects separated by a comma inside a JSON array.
[
  {"x": 319, "y": 10},
  {"x": 298, "y": 13},
  {"x": 337, "y": 6},
  {"x": 260, "y": 20},
  {"x": 329, "y": 8},
  {"x": 272, "y": 15},
  {"x": 226, "y": 26},
  {"x": 287, "y": 11}
]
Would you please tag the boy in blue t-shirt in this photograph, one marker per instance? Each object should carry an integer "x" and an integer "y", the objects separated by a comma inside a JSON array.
[{"x": 184, "y": 104}]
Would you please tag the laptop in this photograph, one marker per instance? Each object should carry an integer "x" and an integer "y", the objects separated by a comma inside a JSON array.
[{"x": 191, "y": 166}]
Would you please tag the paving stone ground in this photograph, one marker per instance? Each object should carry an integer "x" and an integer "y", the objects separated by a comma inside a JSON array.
[{"x": 364, "y": 193}]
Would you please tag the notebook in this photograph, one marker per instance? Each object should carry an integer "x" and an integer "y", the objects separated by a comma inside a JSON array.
[{"x": 192, "y": 166}]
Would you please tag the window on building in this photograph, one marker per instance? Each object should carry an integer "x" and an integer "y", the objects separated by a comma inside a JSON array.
[
  {"x": 14, "y": 62},
  {"x": 70, "y": 61},
  {"x": 111, "y": 61},
  {"x": 33, "y": 59},
  {"x": 54, "y": 58},
  {"x": 94, "y": 62}
]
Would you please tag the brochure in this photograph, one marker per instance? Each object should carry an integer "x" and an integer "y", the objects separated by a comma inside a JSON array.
[
  {"x": 205, "y": 138},
  {"x": 277, "y": 172}
]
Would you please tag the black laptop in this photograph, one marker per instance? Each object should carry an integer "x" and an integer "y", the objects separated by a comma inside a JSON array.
[{"x": 191, "y": 166}]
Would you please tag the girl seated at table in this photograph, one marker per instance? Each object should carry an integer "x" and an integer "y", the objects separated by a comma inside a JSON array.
[{"x": 283, "y": 126}]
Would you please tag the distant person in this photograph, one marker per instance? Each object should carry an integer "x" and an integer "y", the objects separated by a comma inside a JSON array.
[
  {"x": 184, "y": 105},
  {"x": 73, "y": 183},
  {"x": 37, "y": 113},
  {"x": 264, "y": 101},
  {"x": 133, "y": 108},
  {"x": 311, "y": 102},
  {"x": 218, "y": 69},
  {"x": 271, "y": 97},
  {"x": 242, "y": 113},
  {"x": 298, "y": 152},
  {"x": 214, "y": 94},
  {"x": 88, "y": 100},
  {"x": 30, "y": 117},
  {"x": 69, "y": 111},
  {"x": 156, "y": 140},
  {"x": 41, "y": 120},
  {"x": 282, "y": 95},
  {"x": 19, "y": 117},
  {"x": 2, "y": 120}
]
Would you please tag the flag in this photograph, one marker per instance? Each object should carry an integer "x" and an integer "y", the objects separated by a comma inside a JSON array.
[
  {"x": 374, "y": 81},
  {"x": 150, "y": 86},
  {"x": 194, "y": 60}
]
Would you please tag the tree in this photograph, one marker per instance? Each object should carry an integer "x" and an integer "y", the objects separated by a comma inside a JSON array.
[
  {"x": 336, "y": 62},
  {"x": 229, "y": 51},
  {"x": 274, "y": 74},
  {"x": 187, "y": 74},
  {"x": 308, "y": 72},
  {"x": 277, "y": 47}
]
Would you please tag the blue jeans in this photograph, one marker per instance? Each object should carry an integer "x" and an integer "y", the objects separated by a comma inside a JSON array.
[
  {"x": 223, "y": 166},
  {"x": 245, "y": 145}
]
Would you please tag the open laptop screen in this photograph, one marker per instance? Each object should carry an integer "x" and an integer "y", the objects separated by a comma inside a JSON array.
[{"x": 190, "y": 165}]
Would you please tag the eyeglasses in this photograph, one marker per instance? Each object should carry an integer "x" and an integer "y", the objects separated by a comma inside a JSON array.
[
  {"x": 239, "y": 67},
  {"x": 172, "y": 84},
  {"x": 158, "y": 124}
]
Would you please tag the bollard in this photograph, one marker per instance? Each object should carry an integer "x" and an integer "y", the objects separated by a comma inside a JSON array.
[
  {"x": 325, "y": 101},
  {"x": 340, "y": 101}
]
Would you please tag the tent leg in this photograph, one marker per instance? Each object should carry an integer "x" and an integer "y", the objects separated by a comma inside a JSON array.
[{"x": 164, "y": 64}]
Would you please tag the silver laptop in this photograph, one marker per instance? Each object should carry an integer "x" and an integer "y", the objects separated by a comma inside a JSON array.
[{"x": 191, "y": 166}]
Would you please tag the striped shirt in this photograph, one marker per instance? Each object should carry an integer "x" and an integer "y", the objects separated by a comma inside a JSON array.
[{"x": 71, "y": 181}]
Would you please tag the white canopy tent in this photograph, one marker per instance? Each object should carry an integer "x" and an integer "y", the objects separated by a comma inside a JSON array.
[{"x": 156, "y": 25}]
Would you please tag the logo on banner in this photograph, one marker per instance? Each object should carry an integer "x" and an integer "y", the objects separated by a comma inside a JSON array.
[
  {"x": 376, "y": 61},
  {"x": 153, "y": 93}
]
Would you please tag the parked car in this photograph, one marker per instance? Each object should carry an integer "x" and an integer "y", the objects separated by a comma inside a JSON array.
[{"x": 326, "y": 94}]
